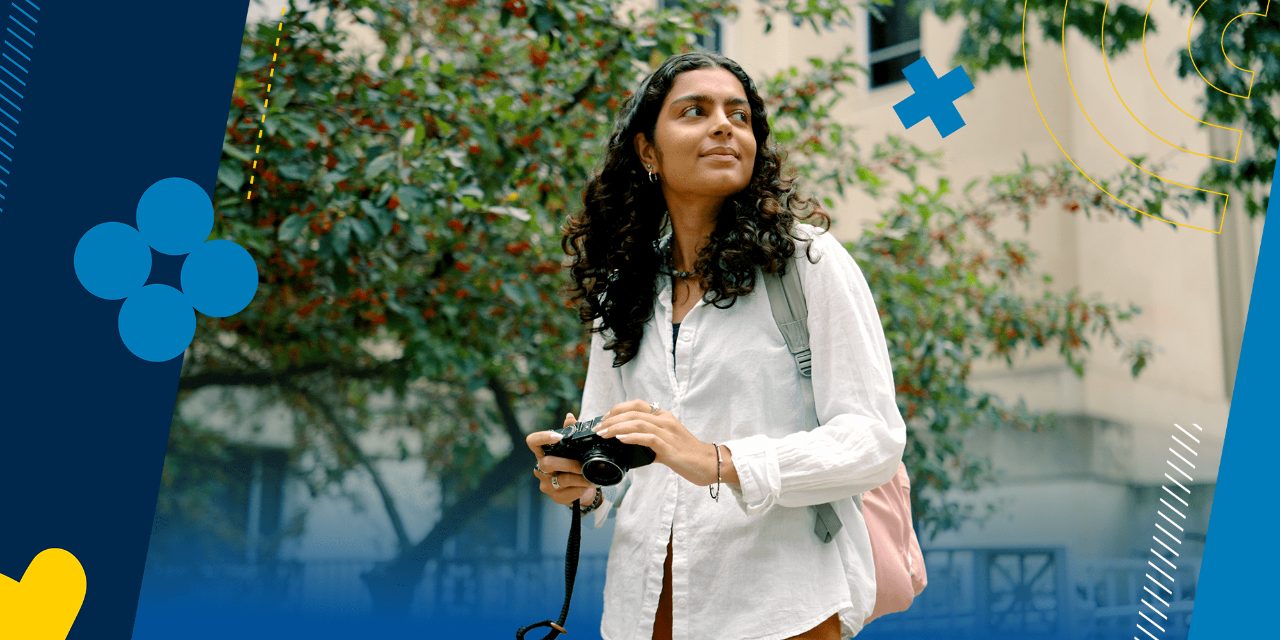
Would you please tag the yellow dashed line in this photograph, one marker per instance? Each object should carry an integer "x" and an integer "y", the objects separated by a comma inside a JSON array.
[{"x": 266, "y": 102}]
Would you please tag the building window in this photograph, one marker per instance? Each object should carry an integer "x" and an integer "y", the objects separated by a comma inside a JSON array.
[
  {"x": 223, "y": 508},
  {"x": 894, "y": 42},
  {"x": 712, "y": 41}
]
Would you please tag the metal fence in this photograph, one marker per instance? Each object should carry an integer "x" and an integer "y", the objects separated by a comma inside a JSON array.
[{"x": 1025, "y": 592}]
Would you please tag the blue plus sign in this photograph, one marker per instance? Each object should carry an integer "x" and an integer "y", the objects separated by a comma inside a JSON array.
[{"x": 933, "y": 97}]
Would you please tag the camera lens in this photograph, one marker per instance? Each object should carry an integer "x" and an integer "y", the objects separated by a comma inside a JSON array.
[{"x": 602, "y": 471}]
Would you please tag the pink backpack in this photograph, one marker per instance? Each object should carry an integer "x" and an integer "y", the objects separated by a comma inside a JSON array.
[
  {"x": 895, "y": 550},
  {"x": 900, "y": 574}
]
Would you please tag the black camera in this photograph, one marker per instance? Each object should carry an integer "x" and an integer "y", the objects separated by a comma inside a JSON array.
[{"x": 604, "y": 460}]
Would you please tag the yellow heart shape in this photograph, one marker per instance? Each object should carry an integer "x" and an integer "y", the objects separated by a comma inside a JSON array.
[{"x": 45, "y": 603}]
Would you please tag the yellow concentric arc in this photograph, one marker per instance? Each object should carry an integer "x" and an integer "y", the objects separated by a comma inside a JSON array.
[
  {"x": 1106, "y": 65},
  {"x": 1222, "y": 42},
  {"x": 1146, "y": 58},
  {"x": 1039, "y": 111}
]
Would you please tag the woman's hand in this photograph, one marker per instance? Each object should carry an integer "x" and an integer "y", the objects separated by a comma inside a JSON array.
[
  {"x": 634, "y": 422},
  {"x": 569, "y": 484}
]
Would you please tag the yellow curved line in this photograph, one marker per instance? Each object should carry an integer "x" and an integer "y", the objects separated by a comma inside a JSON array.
[
  {"x": 1071, "y": 83},
  {"x": 1222, "y": 43},
  {"x": 1039, "y": 111},
  {"x": 1106, "y": 65},
  {"x": 1191, "y": 26},
  {"x": 1146, "y": 57}
]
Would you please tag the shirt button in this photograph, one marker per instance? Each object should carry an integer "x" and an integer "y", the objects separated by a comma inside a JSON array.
[{"x": 684, "y": 337}]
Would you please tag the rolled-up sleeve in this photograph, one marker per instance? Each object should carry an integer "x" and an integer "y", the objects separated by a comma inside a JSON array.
[
  {"x": 860, "y": 436},
  {"x": 602, "y": 390}
]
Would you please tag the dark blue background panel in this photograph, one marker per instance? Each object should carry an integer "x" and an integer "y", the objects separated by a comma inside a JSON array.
[{"x": 117, "y": 97}]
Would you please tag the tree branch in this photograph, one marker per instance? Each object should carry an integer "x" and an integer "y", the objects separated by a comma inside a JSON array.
[
  {"x": 343, "y": 436},
  {"x": 268, "y": 378}
]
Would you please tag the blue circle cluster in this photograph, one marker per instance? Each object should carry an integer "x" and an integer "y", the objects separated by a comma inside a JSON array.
[{"x": 157, "y": 321}]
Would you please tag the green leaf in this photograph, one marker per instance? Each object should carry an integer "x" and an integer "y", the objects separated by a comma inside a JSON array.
[
  {"x": 363, "y": 230},
  {"x": 231, "y": 176},
  {"x": 291, "y": 228},
  {"x": 379, "y": 165}
]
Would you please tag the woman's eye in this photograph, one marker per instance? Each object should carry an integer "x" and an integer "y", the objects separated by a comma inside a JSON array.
[
  {"x": 692, "y": 109},
  {"x": 744, "y": 115}
]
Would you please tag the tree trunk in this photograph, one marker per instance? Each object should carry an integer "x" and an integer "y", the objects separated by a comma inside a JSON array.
[{"x": 392, "y": 584}]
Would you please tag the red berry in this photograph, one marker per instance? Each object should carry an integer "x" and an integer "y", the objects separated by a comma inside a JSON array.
[{"x": 538, "y": 57}]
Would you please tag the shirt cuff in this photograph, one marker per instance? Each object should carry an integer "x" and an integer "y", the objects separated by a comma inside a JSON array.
[
  {"x": 759, "y": 478},
  {"x": 611, "y": 498}
]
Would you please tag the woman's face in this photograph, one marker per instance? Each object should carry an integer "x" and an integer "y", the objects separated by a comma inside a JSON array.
[{"x": 703, "y": 146}]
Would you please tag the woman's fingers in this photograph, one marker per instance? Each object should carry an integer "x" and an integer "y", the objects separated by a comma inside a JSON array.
[
  {"x": 645, "y": 440},
  {"x": 556, "y": 464},
  {"x": 627, "y": 423},
  {"x": 565, "y": 488},
  {"x": 537, "y": 439}
]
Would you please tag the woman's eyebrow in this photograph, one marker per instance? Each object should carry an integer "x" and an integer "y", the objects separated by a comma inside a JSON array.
[{"x": 699, "y": 97}]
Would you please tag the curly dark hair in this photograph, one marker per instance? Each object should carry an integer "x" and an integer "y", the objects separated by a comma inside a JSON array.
[{"x": 613, "y": 244}]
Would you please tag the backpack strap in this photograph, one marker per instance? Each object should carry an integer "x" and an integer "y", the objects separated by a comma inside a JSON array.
[{"x": 786, "y": 300}]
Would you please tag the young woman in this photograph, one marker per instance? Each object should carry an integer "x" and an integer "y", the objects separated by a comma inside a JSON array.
[{"x": 688, "y": 212}]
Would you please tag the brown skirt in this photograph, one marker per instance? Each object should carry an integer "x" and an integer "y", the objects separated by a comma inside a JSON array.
[{"x": 828, "y": 630}]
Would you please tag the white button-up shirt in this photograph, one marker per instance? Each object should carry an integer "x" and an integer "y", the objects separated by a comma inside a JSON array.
[{"x": 750, "y": 567}]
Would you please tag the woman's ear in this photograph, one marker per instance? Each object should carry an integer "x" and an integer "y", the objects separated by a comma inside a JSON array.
[{"x": 645, "y": 150}]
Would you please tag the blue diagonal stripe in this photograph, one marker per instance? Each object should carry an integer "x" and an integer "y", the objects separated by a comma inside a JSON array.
[
  {"x": 20, "y": 38},
  {"x": 18, "y": 51},
  {"x": 11, "y": 103},
  {"x": 24, "y": 27},
  {"x": 6, "y": 128},
  {"x": 5, "y": 169},
  {"x": 7, "y": 144},
  {"x": 33, "y": 5},
  {"x": 7, "y": 115},
  {"x": 15, "y": 63},
  {"x": 3, "y": 154},
  {"x": 11, "y": 75},
  {"x": 23, "y": 12},
  {"x": 6, "y": 84},
  {"x": 16, "y": 21}
]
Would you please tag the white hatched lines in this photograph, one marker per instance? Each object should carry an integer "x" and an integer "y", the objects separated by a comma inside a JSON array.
[
  {"x": 15, "y": 57},
  {"x": 1169, "y": 518}
]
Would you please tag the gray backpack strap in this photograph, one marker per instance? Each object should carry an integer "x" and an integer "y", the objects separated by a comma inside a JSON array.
[{"x": 786, "y": 299}]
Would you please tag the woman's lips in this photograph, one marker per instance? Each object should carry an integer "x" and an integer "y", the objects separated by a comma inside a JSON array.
[{"x": 723, "y": 157}]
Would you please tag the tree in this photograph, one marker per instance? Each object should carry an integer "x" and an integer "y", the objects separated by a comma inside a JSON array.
[{"x": 405, "y": 217}]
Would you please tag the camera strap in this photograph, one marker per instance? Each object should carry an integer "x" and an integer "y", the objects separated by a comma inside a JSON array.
[{"x": 570, "y": 572}]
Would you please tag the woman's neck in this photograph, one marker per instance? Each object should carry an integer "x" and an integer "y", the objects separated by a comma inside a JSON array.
[{"x": 689, "y": 233}]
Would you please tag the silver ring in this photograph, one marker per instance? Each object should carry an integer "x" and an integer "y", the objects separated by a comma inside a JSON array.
[
  {"x": 654, "y": 408},
  {"x": 538, "y": 470},
  {"x": 555, "y": 482}
]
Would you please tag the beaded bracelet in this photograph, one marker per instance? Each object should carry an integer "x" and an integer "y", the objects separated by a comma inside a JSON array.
[
  {"x": 595, "y": 503},
  {"x": 715, "y": 494}
]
